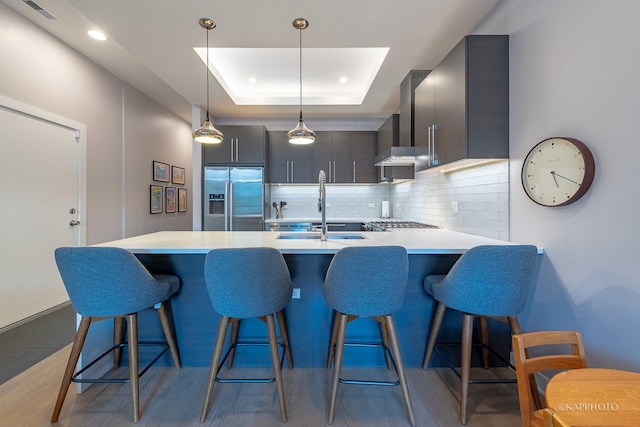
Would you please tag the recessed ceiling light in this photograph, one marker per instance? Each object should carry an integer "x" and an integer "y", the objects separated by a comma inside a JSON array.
[
  {"x": 343, "y": 80},
  {"x": 253, "y": 80},
  {"x": 95, "y": 34}
]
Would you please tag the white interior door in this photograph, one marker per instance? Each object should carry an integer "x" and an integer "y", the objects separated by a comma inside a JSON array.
[{"x": 39, "y": 188}]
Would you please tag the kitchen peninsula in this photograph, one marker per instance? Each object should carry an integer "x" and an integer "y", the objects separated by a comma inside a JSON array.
[{"x": 431, "y": 251}]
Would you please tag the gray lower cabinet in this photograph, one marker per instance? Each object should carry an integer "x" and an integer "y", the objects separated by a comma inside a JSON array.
[
  {"x": 289, "y": 163},
  {"x": 462, "y": 106},
  {"x": 242, "y": 145}
]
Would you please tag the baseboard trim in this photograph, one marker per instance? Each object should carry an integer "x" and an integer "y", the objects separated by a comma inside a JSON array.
[{"x": 35, "y": 316}]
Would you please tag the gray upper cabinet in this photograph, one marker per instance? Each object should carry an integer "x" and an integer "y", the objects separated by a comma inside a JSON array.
[
  {"x": 462, "y": 106},
  {"x": 289, "y": 163},
  {"x": 363, "y": 147},
  {"x": 408, "y": 86},
  {"x": 346, "y": 156},
  {"x": 242, "y": 145}
]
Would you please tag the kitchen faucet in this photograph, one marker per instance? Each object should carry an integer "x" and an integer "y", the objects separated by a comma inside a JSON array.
[{"x": 322, "y": 179}]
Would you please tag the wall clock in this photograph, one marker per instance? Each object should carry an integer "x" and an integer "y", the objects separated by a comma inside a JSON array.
[{"x": 558, "y": 171}]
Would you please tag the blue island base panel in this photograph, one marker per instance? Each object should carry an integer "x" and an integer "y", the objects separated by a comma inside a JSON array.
[{"x": 308, "y": 317}]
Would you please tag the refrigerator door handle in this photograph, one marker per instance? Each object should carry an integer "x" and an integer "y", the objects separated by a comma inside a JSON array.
[
  {"x": 230, "y": 214},
  {"x": 226, "y": 206}
]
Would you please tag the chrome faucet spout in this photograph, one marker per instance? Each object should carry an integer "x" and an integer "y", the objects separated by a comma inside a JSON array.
[{"x": 322, "y": 207}]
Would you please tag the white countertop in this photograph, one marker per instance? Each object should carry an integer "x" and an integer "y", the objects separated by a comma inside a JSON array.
[{"x": 416, "y": 241}]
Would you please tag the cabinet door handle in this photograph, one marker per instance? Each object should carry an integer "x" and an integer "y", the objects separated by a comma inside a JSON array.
[
  {"x": 232, "y": 156},
  {"x": 433, "y": 144},
  {"x": 292, "y": 176},
  {"x": 334, "y": 171},
  {"x": 354, "y": 171},
  {"x": 287, "y": 170},
  {"x": 428, "y": 145},
  {"x": 329, "y": 178}
]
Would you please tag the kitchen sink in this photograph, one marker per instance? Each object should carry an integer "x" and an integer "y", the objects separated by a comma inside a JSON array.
[{"x": 316, "y": 236}]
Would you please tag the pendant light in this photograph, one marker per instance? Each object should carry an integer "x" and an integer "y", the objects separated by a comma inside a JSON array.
[
  {"x": 207, "y": 134},
  {"x": 301, "y": 134}
]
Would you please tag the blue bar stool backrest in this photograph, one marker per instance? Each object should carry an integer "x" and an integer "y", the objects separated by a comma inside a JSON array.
[
  {"x": 489, "y": 280},
  {"x": 247, "y": 282},
  {"x": 367, "y": 281},
  {"x": 105, "y": 281}
]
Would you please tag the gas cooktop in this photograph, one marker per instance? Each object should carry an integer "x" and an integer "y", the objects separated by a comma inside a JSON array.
[{"x": 382, "y": 225}]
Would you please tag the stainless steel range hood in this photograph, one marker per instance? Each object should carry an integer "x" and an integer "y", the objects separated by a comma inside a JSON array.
[{"x": 396, "y": 156}]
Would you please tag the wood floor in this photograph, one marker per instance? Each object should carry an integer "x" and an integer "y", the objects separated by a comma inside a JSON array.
[{"x": 171, "y": 397}]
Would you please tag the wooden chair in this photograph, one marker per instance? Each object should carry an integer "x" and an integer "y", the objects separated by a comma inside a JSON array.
[
  {"x": 552, "y": 418},
  {"x": 531, "y": 408}
]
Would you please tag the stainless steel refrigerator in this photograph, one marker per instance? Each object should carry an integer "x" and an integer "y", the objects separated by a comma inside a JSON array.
[{"x": 233, "y": 199}]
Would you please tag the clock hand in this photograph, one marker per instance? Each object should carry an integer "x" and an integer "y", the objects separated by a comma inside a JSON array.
[{"x": 554, "y": 175}]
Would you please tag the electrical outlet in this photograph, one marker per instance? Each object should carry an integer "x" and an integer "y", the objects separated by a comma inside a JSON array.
[
  {"x": 372, "y": 205},
  {"x": 296, "y": 293},
  {"x": 454, "y": 206},
  {"x": 328, "y": 204}
]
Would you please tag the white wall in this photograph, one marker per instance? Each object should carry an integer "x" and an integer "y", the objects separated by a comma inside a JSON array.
[
  {"x": 574, "y": 71},
  {"x": 39, "y": 70}
]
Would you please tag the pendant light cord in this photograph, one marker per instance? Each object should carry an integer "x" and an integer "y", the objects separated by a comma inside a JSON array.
[
  {"x": 300, "y": 31},
  {"x": 206, "y": 69}
]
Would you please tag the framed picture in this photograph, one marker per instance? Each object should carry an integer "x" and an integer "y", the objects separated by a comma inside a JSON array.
[
  {"x": 182, "y": 199},
  {"x": 156, "y": 199},
  {"x": 170, "y": 199},
  {"x": 177, "y": 175},
  {"x": 161, "y": 171}
]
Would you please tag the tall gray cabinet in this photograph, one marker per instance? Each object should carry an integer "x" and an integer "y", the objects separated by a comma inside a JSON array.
[{"x": 462, "y": 106}]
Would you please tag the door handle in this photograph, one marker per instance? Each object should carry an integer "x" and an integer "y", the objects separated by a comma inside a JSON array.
[{"x": 74, "y": 223}]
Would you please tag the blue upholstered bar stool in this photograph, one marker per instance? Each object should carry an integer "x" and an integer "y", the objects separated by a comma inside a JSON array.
[
  {"x": 107, "y": 282},
  {"x": 244, "y": 283},
  {"x": 367, "y": 282},
  {"x": 486, "y": 281}
]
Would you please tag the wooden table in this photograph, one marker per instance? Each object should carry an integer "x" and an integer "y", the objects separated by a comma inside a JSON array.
[{"x": 596, "y": 397}]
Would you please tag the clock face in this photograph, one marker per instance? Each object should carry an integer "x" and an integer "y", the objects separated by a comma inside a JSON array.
[{"x": 558, "y": 171}]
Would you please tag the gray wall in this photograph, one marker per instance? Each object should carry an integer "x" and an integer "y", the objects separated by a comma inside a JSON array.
[
  {"x": 574, "y": 72},
  {"x": 39, "y": 70}
]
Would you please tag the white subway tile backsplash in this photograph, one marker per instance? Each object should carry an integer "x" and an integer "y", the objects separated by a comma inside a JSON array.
[{"x": 482, "y": 194}]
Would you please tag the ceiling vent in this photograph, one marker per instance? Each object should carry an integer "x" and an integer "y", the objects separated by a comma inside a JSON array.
[{"x": 41, "y": 10}]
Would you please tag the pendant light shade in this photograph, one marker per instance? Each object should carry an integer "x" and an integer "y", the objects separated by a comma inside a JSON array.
[
  {"x": 301, "y": 134},
  {"x": 207, "y": 133}
]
